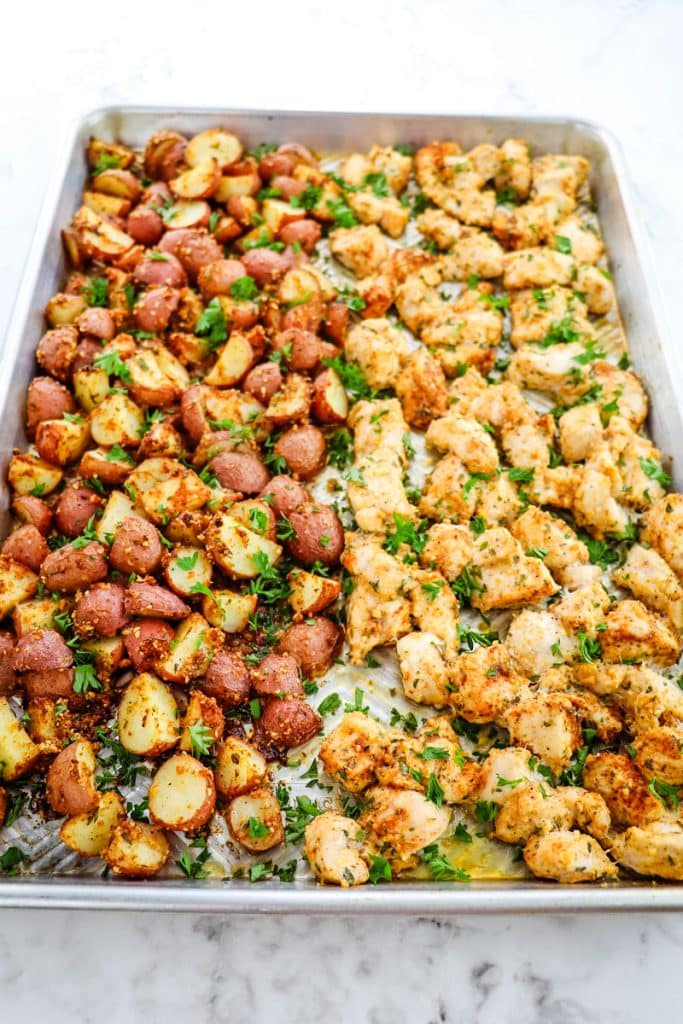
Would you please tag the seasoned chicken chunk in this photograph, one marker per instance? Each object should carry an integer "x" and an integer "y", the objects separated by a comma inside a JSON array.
[
  {"x": 353, "y": 748},
  {"x": 455, "y": 181},
  {"x": 423, "y": 668},
  {"x": 664, "y": 530},
  {"x": 654, "y": 850},
  {"x": 634, "y": 455},
  {"x": 530, "y": 809},
  {"x": 581, "y": 432},
  {"x": 376, "y": 493},
  {"x": 536, "y": 641},
  {"x": 448, "y": 549},
  {"x": 421, "y": 389},
  {"x": 537, "y": 267},
  {"x": 361, "y": 249},
  {"x": 515, "y": 168},
  {"x": 554, "y": 486},
  {"x": 658, "y": 754},
  {"x": 504, "y": 770},
  {"x": 595, "y": 505},
  {"x": 472, "y": 253},
  {"x": 500, "y": 405},
  {"x": 544, "y": 369},
  {"x": 647, "y": 698},
  {"x": 463, "y": 331},
  {"x": 483, "y": 684},
  {"x": 540, "y": 313},
  {"x": 596, "y": 285},
  {"x": 634, "y": 632},
  {"x": 443, "y": 229},
  {"x": 378, "y": 609},
  {"x": 379, "y": 348},
  {"x": 622, "y": 388},
  {"x": 378, "y": 429},
  {"x": 623, "y": 788},
  {"x": 386, "y": 211},
  {"x": 333, "y": 850},
  {"x": 548, "y": 725},
  {"x": 458, "y": 775},
  {"x": 528, "y": 445},
  {"x": 652, "y": 581},
  {"x": 583, "y": 611},
  {"x": 509, "y": 578},
  {"x": 444, "y": 496},
  {"x": 584, "y": 238},
  {"x": 465, "y": 438},
  {"x": 567, "y": 856},
  {"x": 434, "y": 606},
  {"x": 538, "y": 529},
  {"x": 401, "y": 822},
  {"x": 384, "y": 160}
]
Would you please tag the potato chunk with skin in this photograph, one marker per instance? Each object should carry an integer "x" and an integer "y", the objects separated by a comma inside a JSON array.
[
  {"x": 71, "y": 780},
  {"x": 568, "y": 856},
  {"x": 334, "y": 851},
  {"x": 89, "y": 833},
  {"x": 650, "y": 580},
  {"x": 238, "y": 550},
  {"x": 240, "y": 767},
  {"x": 509, "y": 578},
  {"x": 379, "y": 349},
  {"x": 192, "y": 651},
  {"x": 400, "y": 823},
  {"x": 117, "y": 420},
  {"x": 17, "y": 583},
  {"x": 28, "y": 474},
  {"x": 136, "y": 850},
  {"x": 351, "y": 751},
  {"x": 182, "y": 795},
  {"x": 255, "y": 820},
  {"x": 18, "y": 752},
  {"x": 148, "y": 717}
]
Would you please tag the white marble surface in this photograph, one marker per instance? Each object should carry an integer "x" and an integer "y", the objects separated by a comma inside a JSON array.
[{"x": 615, "y": 62}]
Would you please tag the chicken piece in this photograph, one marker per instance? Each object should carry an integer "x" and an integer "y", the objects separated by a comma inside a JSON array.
[
  {"x": 386, "y": 211},
  {"x": 333, "y": 850},
  {"x": 378, "y": 429},
  {"x": 421, "y": 389},
  {"x": 400, "y": 823},
  {"x": 584, "y": 238},
  {"x": 554, "y": 486},
  {"x": 596, "y": 284},
  {"x": 635, "y": 633},
  {"x": 379, "y": 290},
  {"x": 633, "y": 455},
  {"x": 531, "y": 809},
  {"x": 379, "y": 348},
  {"x": 466, "y": 439},
  {"x": 555, "y": 174},
  {"x": 515, "y": 168},
  {"x": 458, "y": 775},
  {"x": 455, "y": 181},
  {"x": 583, "y": 611},
  {"x": 606, "y": 718},
  {"x": 444, "y": 495},
  {"x": 664, "y": 530},
  {"x": 580, "y": 574},
  {"x": 538, "y": 529},
  {"x": 401, "y": 765},
  {"x": 622, "y": 388},
  {"x": 595, "y": 505},
  {"x": 655, "y": 850},
  {"x": 544, "y": 369},
  {"x": 567, "y": 856},
  {"x": 434, "y": 607},
  {"x": 473, "y": 254},
  {"x": 448, "y": 549},
  {"x": 623, "y": 788},
  {"x": 497, "y": 501},
  {"x": 647, "y": 698},
  {"x": 508, "y": 577},
  {"x": 376, "y": 493},
  {"x": 417, "y": 299},
  {"x": 650, "y": 580},
  {"x": 527, "y": 226},
  {"x": 440, "y": 227},
  {"x": 377, "y": 610},
  {"x": 659, "y": 754},
  {"x": 384, "y": 160},
  {"x": 536, "y": 641},
  {"x": 423, "y": 668},
  {"x": 504, "y": 770},
  {"x": 484, "y": 684},
  {"x": 351, "y": 751},
  {"x": 528, "y": 445},
  {"x": 581, "y": 432},
  {"x": 548, "y": 725},
  {"x": 542, "y": 312},
  {"x": 537, "y": 267},
  {"x": 361, "y": 249},
  {"x": 500, "y": 405},
  {"x": 463, "y": 331}
]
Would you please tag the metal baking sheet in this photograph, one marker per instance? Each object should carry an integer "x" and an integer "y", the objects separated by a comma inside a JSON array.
[{"x": 59, "y": 878}]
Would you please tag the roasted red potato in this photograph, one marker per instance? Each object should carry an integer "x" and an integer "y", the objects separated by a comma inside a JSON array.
[
  {"x": 71, "y": 785},
  {"x": 314, "y": 644}
]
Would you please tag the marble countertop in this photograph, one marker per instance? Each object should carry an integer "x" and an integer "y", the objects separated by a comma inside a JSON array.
[{"x": 616, "y": 62}]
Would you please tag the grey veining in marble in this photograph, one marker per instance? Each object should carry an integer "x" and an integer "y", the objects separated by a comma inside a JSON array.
[{"x": 617, "y": 62}]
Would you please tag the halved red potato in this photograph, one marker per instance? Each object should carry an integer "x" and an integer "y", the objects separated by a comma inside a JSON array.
[
  {"x": 193, "y": 648},
  {"x": 62, "y": 441},
  {"x": 182, "y": 795},
  {"x": 156, "y": 269},
  {"x": 229, "y": 610},
  {"x": 27, "y": 545},
  {"x": 99, "y": 238},
  {"x": 117, "y": 420},
  {"x": 108, "y": 466},
  {"x": 238, "y": 550},
  {"x": 255, "y": 820},
  {"x": 154, "y": 309},
  {"x": 186, "y": 569},
  {"x": 144, "y": 225},
  {"x": 161, "y": 439},
  {"x": 146, "y": 641},
  {"x": 257, "y": 515},
  {"x": 237, "y": 185},
  {"x": 239, "y": 767},
  {"x": 277, "y": 214},
  {"x": 263, "y": 381},
  {"x": 17, "y": 583},
  {"x": 203, "y": 714},
  {"x": 330, "y": 403},
  {"x": 18, "y": 752},
  {"x": 277, "y": 676},
  {"x": 227, "y": 679},
  {"x": 37, "y": 613},
  {"x": 159, "y": 147},
  {"x": 109, "y": 206},
  {"x": 56, "y": 351},
  {"x": 118, "y": 182},
  {"x": 71, "y": 785},
  {"x": 198, "y": 182},
  {"x": 285, "y": 494},
  {"x": 310, "y": 593},
  {"x": 289, "y": 721},
  {"x": 98, "y": 148},
  {"x": 118, "y": 508},
  {"x": 35, "y": 511},
  {"x": 150, "y": 601},
  {"x": 91, "y": 387},
  {"x": 28, "y": 474},
  {"x": 136, "y": 547},
  {"x": 100, "y": 611},
  {"x": 213, "y": 144},
  {"x": 89, "y": 833},
  {"x": 109, "y": 653},
  {"x": 136, "y": 850},
  {"x": 148, "y": 717},
  {"x": 49, "y": 723},
  {"x": 234, "y": 361},
  {"x": 314, "y": 643},
  {"x": 64, "y": 308},
  {"x": 157, "y": 377},
  {"x": 188, "y": 213},
  {"x": 72, "y": 568},
  {"x": 304, "y": 450},
  {"x": 165, "y": 488}
]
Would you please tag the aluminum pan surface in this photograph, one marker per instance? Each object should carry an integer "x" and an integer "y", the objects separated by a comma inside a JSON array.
[{"x": 338, "y": 132}]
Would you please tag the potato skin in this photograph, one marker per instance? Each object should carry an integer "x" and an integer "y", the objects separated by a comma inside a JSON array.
[
  {"x": 157, "y": 272},
  {"x": 34, "y": 511},
  {"x": 304, "y": 450},
  {"x": 167, "y": 786},
  {"x": 8, "y": 680},
  {"x": 262, "y": 805},
  {"x": 41, "y": 649},
  {"x": 136, "y": 547},
  {"x": 97, "y": 321},
  {"x": 289, "y": 722},
  {"x": 194, "y": 247},
  {"x": 277, "y": 674},
  {"x": 215, "y": 278},
  {"x": 318, "y": 535},
  {"x": 56, "y": 351},
  {"x": 305, "y": 232},
  {"x": 265, "y": 265},
  {"x": 100, "y": 611},
  {"x": 227, "y": 679},
  {"x": 285, "y": 494},
  {"x": 154, "y": 309},
  {"x": 55, "y": 683},
  {"x": 263, "y": 381},
  {"x": 27, "y": 545},
  {"x": 148, "y": 600},
  {"x": 3, "y": 806},
  {"x": 136, "y": 850},
  {"x": 314, "y": 644},
  {"x": 239, "y": 471},
  {"x": 74, "y": 507},
  {"x": 146, "y": 641},
  {"x": 144, "y": 225},
  {"x": 71, "y": 780},
  {"x": 46, "y": 399},
  {"x": 302, "y": 349},
  {"x": 70, "y": 569}
]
